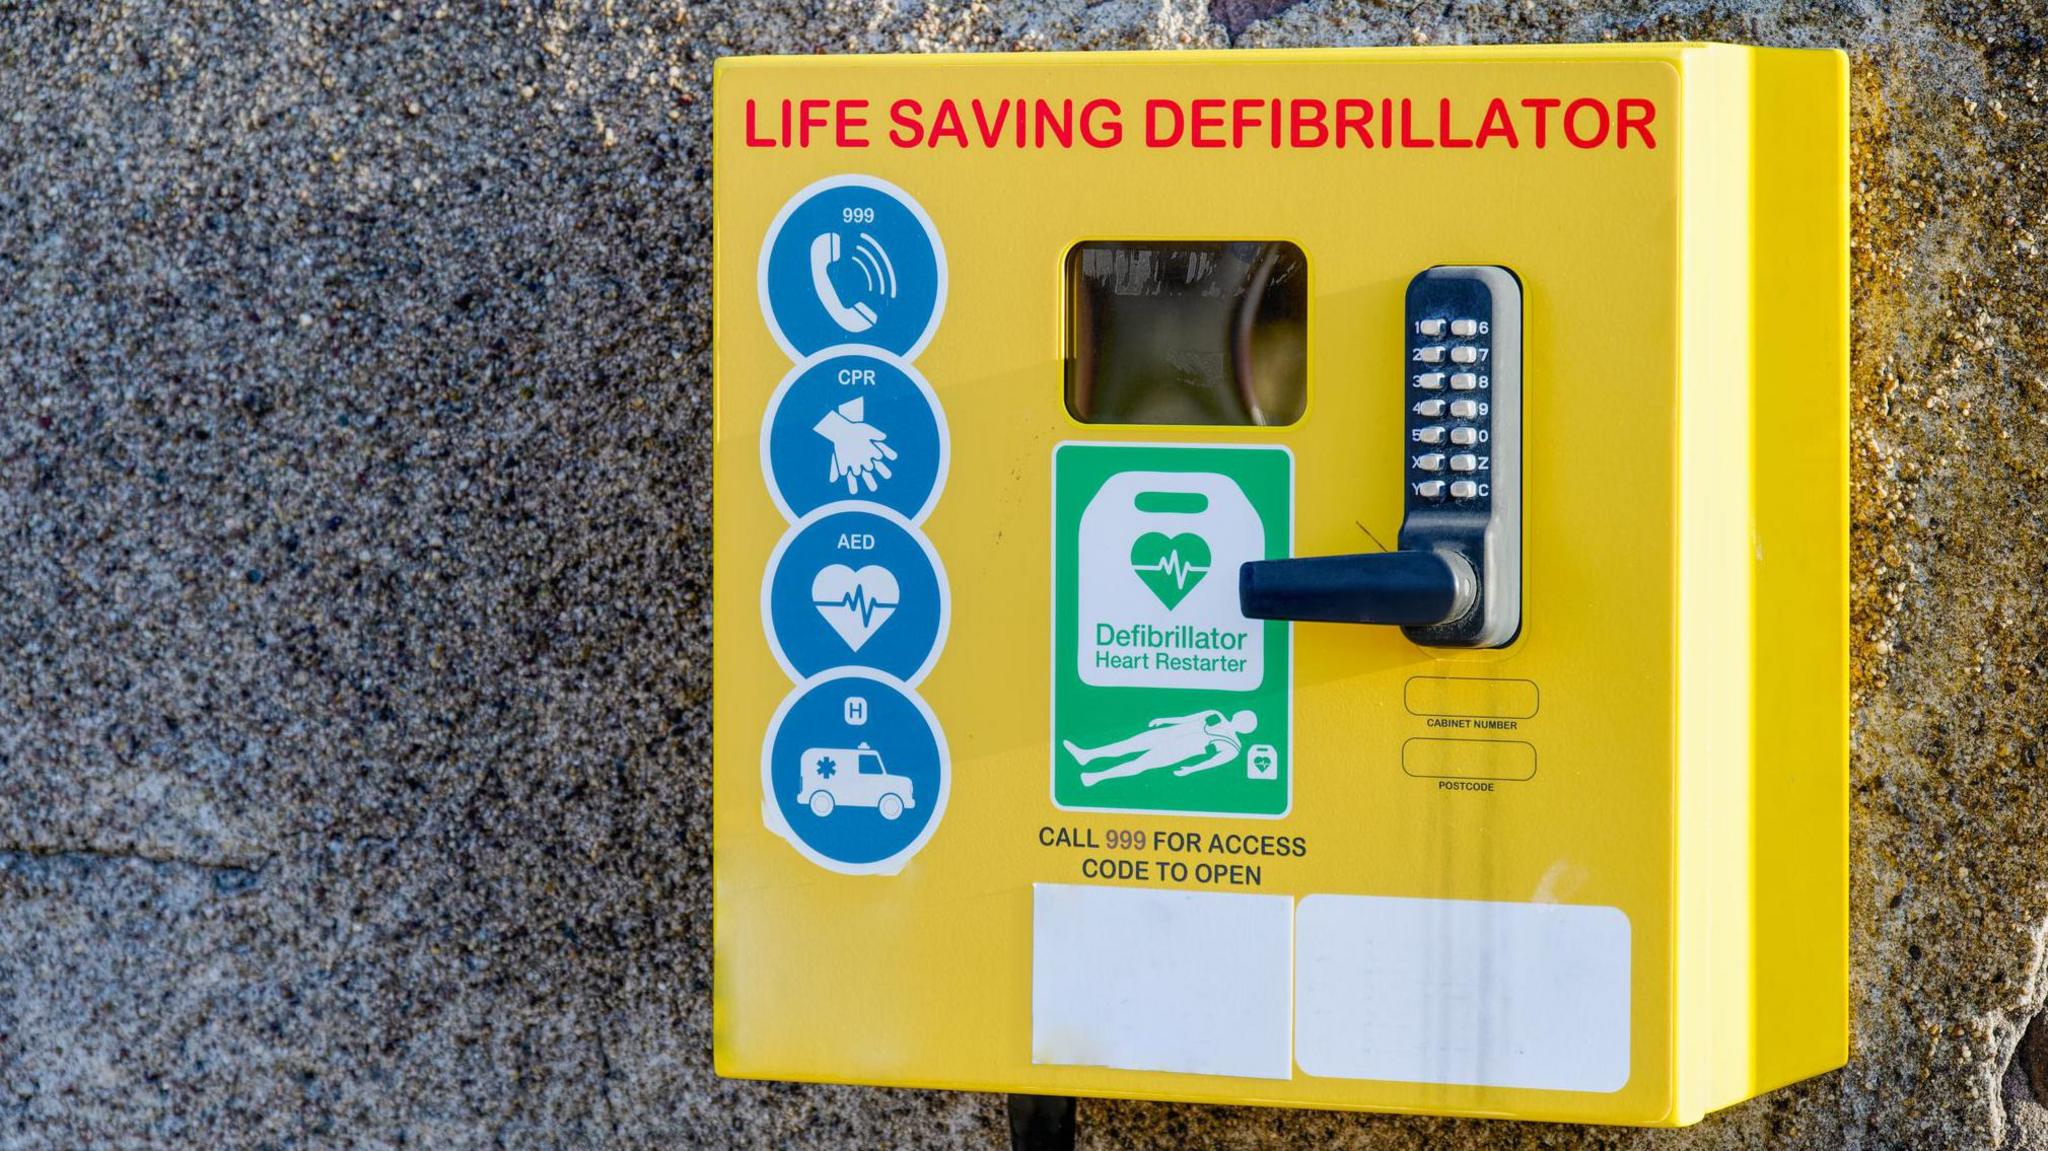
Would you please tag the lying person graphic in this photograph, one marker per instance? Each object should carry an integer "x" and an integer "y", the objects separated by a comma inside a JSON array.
[{"x": 1197, "y": 742}]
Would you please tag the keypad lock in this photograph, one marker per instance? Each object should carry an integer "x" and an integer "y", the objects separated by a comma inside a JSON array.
[{"x": 1456, "y": 579}]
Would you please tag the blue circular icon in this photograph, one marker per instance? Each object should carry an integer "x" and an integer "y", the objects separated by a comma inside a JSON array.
[
  {"x": 854, "y": 423},
  {"x": 852, "y": 259},
  {"x": 855, "y": 585},
  {"x": 856, "y": 772}
]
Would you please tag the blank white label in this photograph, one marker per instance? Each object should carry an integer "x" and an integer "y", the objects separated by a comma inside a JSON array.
[
  {"x": 1462, "y": 991},
  {"x": 1149, "y": 980}
]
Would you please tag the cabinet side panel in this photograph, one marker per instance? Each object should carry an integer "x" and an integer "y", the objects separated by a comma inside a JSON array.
[
  {"x": 1800, "y": 566},
  {"x": 1715, "y": 1042}
]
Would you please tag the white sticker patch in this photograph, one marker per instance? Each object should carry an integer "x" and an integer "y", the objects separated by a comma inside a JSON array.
[
  {"x": 1462, "y": 991},
  {"x": 1146, "y": 980}
]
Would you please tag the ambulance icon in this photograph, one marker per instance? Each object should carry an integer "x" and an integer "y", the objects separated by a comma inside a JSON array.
[{"x": 835, "y": 777}]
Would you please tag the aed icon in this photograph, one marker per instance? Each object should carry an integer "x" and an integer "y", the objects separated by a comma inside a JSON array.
[
  {"x": 855, "y": 585},
  {"x": 1160, "y": 683},
  {"x": 852, "y": 259},
  {"x": 1147, "y": 612}
]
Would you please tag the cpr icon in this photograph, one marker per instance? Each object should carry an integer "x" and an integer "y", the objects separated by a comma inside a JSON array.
[
  {"x": 852, "y": 259},
  {"x": 853, "y": 584},
  {"x": 854, "y": 423},
  {"x": 857, "y": 797}
]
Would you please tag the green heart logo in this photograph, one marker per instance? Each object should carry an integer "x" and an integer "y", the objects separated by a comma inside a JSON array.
[{"x": 1170, "y": 565}]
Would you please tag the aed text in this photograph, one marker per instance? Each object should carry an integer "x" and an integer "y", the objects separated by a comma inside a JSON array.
[
  {"x": 1108, "y": 854},
  {"x": 1278, "y": 123}
]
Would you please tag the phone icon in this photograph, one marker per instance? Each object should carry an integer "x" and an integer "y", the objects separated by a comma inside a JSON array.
[{"x": 875, "y": 267}]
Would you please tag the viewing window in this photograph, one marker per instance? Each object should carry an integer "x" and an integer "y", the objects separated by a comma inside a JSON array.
[{"x": 1193, "y": 332}]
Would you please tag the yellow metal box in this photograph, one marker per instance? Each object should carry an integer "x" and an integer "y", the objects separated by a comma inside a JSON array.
[{"x": 1030, "y": 370}]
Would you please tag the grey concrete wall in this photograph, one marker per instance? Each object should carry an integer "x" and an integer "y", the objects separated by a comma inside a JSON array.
[{"x": 354, "y": 562}]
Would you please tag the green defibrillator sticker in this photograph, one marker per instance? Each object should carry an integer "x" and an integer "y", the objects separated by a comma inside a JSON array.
[{"x": 1165, "y": 697}]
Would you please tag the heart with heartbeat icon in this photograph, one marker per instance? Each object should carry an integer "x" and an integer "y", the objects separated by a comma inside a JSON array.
[
  {"x": 1170, "y": 565},
  {"x": 855, "y": 602}
]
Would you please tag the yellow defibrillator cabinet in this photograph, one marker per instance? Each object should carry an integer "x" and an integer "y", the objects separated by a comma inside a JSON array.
[{"x": 1297, "y": 578}]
